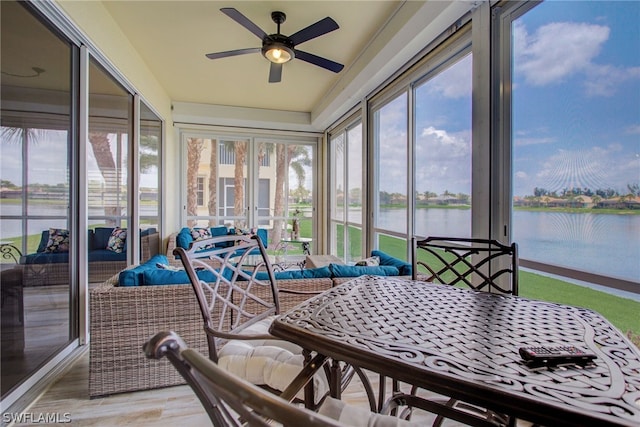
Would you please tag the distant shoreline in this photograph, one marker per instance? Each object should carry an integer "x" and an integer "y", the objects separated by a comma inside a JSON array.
[{"x": 598, "y": 211}]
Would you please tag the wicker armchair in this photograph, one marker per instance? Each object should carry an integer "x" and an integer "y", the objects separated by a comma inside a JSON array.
[{"x": 122, "y": 318}]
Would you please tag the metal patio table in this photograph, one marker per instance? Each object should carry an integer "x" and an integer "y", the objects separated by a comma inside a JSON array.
[{"x": 464, "y": 344}]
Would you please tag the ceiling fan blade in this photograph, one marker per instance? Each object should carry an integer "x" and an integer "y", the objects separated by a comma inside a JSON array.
[
  {"x": 236, "y": 52},
  {"x": 321, "y": 27},
  {"x": 275, "y": 73},
  {"x": 319, "y": 61},
  {"x": 244, "y": 21}
]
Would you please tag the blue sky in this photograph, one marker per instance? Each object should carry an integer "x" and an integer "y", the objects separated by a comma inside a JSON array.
[
  {"x": 576, "y": 105},
  {"x": 577, "y": 96}
]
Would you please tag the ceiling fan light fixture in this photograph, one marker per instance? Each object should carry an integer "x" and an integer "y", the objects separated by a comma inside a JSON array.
[{"x": 278, "y": 53}]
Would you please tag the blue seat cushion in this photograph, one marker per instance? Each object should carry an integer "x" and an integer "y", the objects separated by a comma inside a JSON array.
[
  {"x": 45, "y": 257},
  {"x": 155, "y": 277},
  {"x": 404, "y": 267},
  {"x": 311, "y": 273},
  {"x": 341, "y": 270},
  {"x": 106, "y": 255}
]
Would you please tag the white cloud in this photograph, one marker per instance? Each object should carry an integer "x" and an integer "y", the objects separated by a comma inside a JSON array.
[
  {"x": 557, "y": 50},
  {"x": 603, "y": 79},
  {"x": 443, "y": 161}
]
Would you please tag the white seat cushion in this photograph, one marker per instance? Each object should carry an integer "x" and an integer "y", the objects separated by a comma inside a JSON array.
[
  {"x": 274, "y": 363},
  {"x": 359, "y": 417}
]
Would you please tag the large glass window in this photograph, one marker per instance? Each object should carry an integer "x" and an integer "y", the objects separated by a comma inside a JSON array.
[
  {"x": 249, "y": 183},
  {"x": 391, "y": 165},
  {"x": 575, "y": 135},
  {"x": 37, "y": 240},
  {"x": 347, "y": 194},
  {"x": 443, "y": 152}
]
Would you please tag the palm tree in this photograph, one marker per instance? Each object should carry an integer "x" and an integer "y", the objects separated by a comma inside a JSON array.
[
  {"x": 240, "y": 148},
  {"x": 101, "y": 147},
  {"x": 213, "y": 183},
  {"x": 294, "y": 156}
]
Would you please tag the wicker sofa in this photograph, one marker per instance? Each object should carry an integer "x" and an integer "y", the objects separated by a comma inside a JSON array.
[
  {"x": 42, "y": 268},
  {"x": 123, "y": 318},
  {"x": 130, "y": 307}
]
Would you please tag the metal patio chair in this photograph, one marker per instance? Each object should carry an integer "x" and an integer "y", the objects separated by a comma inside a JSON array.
[
  {"x": 231, "y": 401},
  {"x": 479, "y": 264},
  {"x": 238, "y": 302}
]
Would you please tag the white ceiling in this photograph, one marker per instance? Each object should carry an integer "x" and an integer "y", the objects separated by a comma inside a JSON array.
[
  {"x": 374, "y": 38},
  {"x": 173, "y": 37}
]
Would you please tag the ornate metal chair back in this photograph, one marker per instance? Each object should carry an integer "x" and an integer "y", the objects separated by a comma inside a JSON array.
[
  {"x": 480, "y": 264},
  {"x": 232, "y": 292}
]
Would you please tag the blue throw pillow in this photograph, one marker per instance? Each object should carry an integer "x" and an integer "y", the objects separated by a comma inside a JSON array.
[
  {"x": 133, "y": 276},
  {"x": 147, "y": 231},
  {"x": 404, "y": 267},
  {"x": 340, "y": 270},
  {"x": 184, "y": 238},
  {"x": 219, "y": 231},
  {"x": 101, "y": 237},
  {"x": 130, "y": 276}
]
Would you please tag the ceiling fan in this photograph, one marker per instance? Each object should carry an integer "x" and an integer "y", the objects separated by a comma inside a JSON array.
[{"x": 278, "y": 48}]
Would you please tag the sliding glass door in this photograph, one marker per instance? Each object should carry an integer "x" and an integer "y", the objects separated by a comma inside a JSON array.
[
  {"x": 250, "y": 182},
  {"x": 39, "y": 309}
]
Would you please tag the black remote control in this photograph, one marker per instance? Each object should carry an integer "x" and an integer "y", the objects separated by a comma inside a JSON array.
[{"x": 558, "y": 355}]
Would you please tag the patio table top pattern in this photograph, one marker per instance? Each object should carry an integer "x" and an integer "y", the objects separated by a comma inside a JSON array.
[{"x": 464, "y": 344}]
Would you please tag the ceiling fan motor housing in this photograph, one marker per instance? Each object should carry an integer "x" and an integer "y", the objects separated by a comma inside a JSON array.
[{"x": 277, "y": 41}]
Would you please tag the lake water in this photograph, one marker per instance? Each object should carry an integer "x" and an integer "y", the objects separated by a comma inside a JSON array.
[{"x": 605, "y": 244}]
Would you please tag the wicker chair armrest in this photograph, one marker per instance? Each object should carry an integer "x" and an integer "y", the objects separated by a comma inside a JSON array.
[
  {"x": 149, "y": 245},
  {"x": 298, "y": 292},
  {"x": 171, "y": 245},
  {"x": 122, "y": 319}
]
